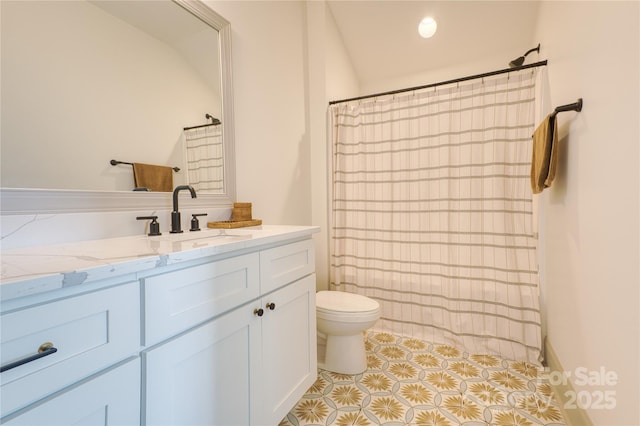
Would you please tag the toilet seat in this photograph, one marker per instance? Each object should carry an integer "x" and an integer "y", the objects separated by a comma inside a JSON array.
[{"x": 342, "y": 304}]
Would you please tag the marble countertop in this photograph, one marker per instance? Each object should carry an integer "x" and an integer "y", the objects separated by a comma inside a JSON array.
[{"x": 34, "y": 270}]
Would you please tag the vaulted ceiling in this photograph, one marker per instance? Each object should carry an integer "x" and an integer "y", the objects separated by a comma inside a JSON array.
[{"x": 382, "y": 40}]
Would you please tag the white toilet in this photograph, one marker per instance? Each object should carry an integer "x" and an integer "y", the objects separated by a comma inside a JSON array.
[{"x": 342, "y": 317}]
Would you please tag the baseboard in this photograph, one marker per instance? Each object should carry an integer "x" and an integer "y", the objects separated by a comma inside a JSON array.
[{"x": 574, "y": 416}]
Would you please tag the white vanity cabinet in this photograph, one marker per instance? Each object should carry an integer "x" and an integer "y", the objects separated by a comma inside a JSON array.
[
  {"x": 246, "y": 366},
  {"x": 209, "y": 332}
]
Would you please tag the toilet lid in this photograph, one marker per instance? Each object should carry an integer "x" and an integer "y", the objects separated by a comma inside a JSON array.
[{"x": 340, "y": 301}]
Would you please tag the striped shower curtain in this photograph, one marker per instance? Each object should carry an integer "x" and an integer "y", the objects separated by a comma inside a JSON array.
[
  {"x": 205, "y": 158},
  {"x": 432, "y": 213}
]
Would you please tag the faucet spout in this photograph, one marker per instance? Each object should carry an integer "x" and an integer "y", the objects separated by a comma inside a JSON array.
[
  {"x": 175, "y": 214},
  {"x": 178, "y": 189}
]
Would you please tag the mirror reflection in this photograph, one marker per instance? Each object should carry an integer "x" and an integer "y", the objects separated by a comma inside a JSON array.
[{"x": 87, "y": 82}]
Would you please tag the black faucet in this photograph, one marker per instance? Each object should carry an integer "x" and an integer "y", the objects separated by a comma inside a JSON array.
[{"x": 175, "y": 214}]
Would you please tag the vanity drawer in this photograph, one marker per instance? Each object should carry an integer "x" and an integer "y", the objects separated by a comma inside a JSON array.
[
  {"x": 111, "y": 398},
  {"x": 284, "y": 264},
  {"x": 90, "y": 332},
  {"x": 179, "y": 300}
]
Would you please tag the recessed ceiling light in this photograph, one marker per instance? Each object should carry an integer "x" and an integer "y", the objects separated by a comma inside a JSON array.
[{"x": 427, "y": 27}]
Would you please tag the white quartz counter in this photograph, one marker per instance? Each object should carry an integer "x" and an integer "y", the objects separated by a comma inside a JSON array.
[{"x": 34, "y": 270}]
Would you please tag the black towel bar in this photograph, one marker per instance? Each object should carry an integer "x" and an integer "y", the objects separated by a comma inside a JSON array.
[
  {"x": 116, "y": 162},
  {"x": 576, "y": 106}
]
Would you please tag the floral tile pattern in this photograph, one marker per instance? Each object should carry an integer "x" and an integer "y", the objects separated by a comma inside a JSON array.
[{"x": 412, "y": 382}]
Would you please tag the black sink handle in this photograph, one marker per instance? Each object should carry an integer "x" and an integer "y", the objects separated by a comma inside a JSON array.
[{"x": 195, "y": 224}]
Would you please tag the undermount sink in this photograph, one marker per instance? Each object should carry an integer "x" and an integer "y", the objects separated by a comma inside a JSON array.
[{"x": 209, "y": 234}]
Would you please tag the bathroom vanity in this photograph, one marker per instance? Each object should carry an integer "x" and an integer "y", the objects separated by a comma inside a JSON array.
[{"x": 210, "y": 327}]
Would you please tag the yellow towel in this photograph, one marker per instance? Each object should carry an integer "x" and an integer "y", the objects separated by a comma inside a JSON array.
[
  {"x": 155, "y": 178},
  {"x": 545, "y": 155}
]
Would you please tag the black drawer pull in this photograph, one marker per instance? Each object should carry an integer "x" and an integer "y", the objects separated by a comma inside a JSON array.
[{"x": 44, "y": 350}]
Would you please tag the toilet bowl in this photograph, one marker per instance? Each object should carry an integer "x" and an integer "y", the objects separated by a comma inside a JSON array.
[{"x": 342, "y": 317}]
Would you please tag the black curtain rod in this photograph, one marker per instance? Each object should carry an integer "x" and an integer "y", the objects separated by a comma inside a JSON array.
[
  {"x": 214, "y": 122},
  {"x": 202, "y": 125},
  {"x": 457, "y": 80}
]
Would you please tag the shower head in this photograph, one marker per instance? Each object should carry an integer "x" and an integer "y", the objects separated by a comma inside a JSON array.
[{"x": 519, "y": 61}]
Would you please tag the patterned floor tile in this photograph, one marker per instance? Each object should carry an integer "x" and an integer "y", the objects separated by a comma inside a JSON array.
[{"x": 412, "y": 382}]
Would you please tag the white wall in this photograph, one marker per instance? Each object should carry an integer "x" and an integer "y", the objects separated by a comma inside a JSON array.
[
  {"x": 589, "y": 229},
  {"x": 270, "y": 94},
  {"x": 342, "y": 81}
]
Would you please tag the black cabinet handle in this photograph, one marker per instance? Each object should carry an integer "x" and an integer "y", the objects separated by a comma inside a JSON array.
[
  {"x": 258, "y": 311},
  {"x": 44, "y": 350},
  {"x": 271, "y": 306}
]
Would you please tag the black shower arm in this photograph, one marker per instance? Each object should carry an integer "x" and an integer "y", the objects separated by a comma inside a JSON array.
[{"x": 532, "y": 50}]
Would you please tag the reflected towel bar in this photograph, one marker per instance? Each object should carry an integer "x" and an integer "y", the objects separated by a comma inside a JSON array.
[
  {"x": 214, "y": 122},
  {"x": 116, "y": 162},
  {"x": 577, "y": 106}
]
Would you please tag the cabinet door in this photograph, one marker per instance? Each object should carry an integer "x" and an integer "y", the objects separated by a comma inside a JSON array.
[
  {"x": 289, "y": 348},
  {"x": 203, "y": 377},
  {"x": 112, "y": 398}
]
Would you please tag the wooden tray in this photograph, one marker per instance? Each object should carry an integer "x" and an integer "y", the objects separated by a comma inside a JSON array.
[{"x": 228, "y": 224}]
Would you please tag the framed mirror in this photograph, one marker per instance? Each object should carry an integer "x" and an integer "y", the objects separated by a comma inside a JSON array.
[{"x": 87, "y": 82}]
